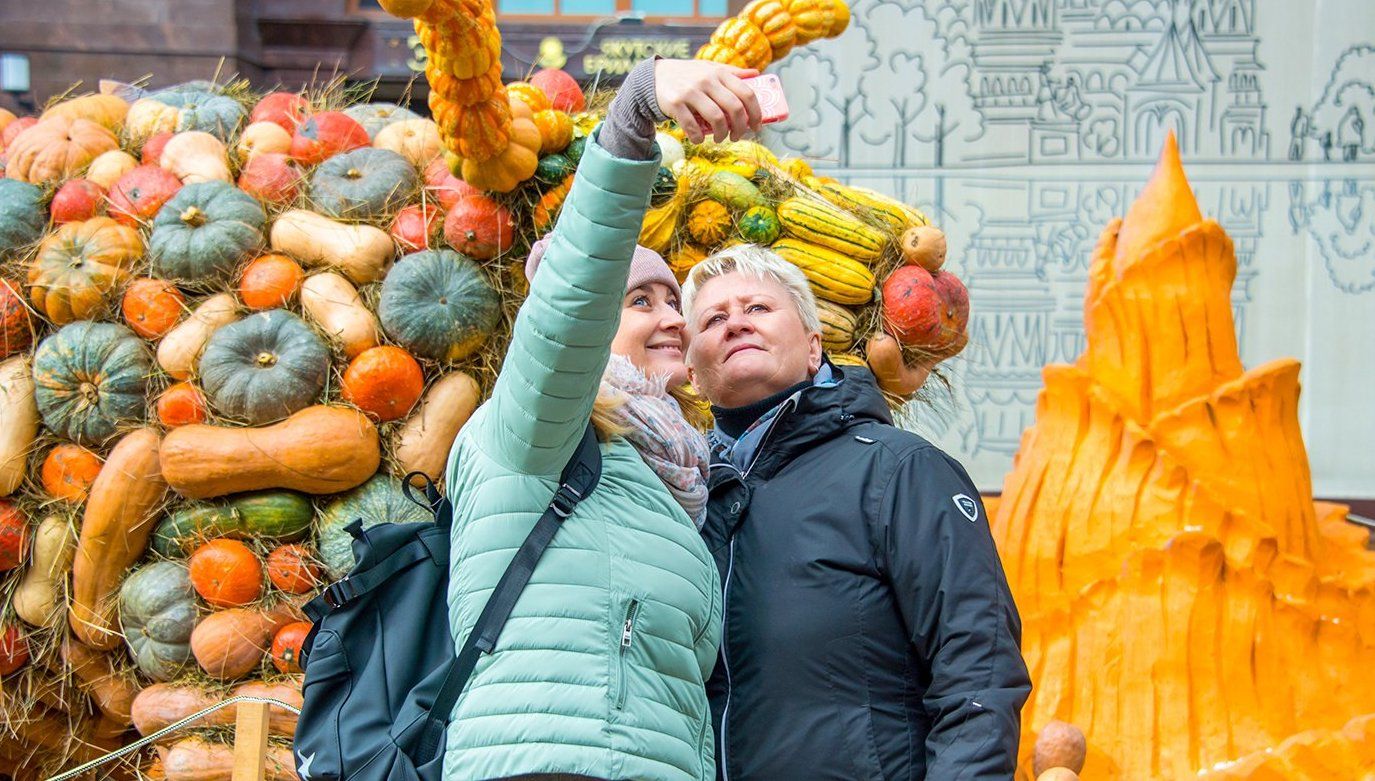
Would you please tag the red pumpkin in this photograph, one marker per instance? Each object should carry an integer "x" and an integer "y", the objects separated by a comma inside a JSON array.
[
  {"x": 271, "y": 177},
  {"x": 77, "y": 200},
  {"x": 14, "y": 647},
  {"x": 16, "y": 325},
  {"x": 443, "y": 186},
  {"x": 270, "y": 281},
  {"x": 954, "y": 302},
  {"x": 416, "y": 225},
  {"x": 291, "y": 569},
  {"x": 181, "y": 405},
  {"x": 479, "y": 227},
  {"x": 152, "y": 148},
  {"x": 384, "y": 382},
  {"x": 286, "y": 647},
  {"x": 923, "y": 312},
  {"x": 325, "y": 135},
  {"x": 226, "y": 573},
  {"x": 152, "y": 307},
  {"x": 136, "y": 196},
  {"x": 287, "y": 109},
  {"x": 14, "y": 535},
  {"x": 13, "y": 129},
  {"x": 562, "y": 89}
]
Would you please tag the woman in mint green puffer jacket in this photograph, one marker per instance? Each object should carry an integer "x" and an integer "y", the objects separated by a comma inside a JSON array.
[{"x": 600, "y": 671}]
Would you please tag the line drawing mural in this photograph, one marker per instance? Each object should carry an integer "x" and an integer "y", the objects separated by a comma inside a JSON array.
[{"x": 1024, "y": 126}]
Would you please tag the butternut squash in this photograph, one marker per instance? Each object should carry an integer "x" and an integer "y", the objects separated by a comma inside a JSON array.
[
  {"x": 18, "y": 421},
  {"x": 361, "y": 252},
  {"x": 894, "y": 375},
  {"x": 198, "y": 759},
  {"x": 179, "y": 349},
  {"x": 422, "y": 444},
  {"x": 334, "y": 304},
  {"x": 112, "y": 692},
  {"x": 109, "y": 166},
  {"x": 41, "y": 591},
  {"x": 195, "y": 156},
  {"x": 319, "y": 450},
  {"x": 163, "y": 704},
  {"x": 119, "y": 517}
]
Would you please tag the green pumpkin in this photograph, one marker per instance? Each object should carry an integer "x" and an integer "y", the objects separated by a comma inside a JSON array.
[
  {"x": 439, "y": 305},
  {"x": 204, "y": 232},
  {"x": 363, "y": 184},
  {"x": 734, "y": 190},
  {"x": 375, "y": 116},
  {"x": 665, "y": 186},
  {"x": 91, "y": 380},
  {"x": 157, "y": 610},
  {"x": 22, "y": 216},
  {"x": 278, "y": 515},
  {"x": 759, "y": 225},
  {"x": 575, "y": 149},
  {"x": 264, "y": 367},
  {"x": 379, "y": 500},
  {"x": 554, "y": 168},
  {"x": 218, "y": 115}
]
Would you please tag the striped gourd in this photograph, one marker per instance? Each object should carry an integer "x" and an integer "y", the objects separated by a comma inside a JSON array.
[
  {"x": 838, "y": 326},
  {"x": 834, "y": 277},
  {"x": 818, "y": 222},
  {"x": 897, "y": 215}
]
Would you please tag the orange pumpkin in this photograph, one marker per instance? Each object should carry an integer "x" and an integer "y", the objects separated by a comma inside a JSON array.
[
  {"x": 528, "y": 94},
  {"x": 231, "y": 643},
  {"x": 270, "y": 281},
  {"x": 462, "y": 92},
  {"x": 775, "y": 22},
  {"x": 180, "y": 405},
  {"x": 813, "y": 18},
  {"x": 292, "y": 569},
  {"x": 105, "y": 110},
  {"x": 483, "y": 129},
  {"x": 152, "y": 307},
  {"x": 716, "y": 52},
  {"x": 514, "y": 165},
  {"x": 460, "y": 45},
  {"x": 286, "y": 647},
  {"x": 479, "y": 227},
  {"x": 79, "y": 266},
  {"x": 57, "y": 149},
  {"x": 68, "y": 471},
  {"x": 555, "y": 130},
  {"x": 14, "y": 649},
  {"x": 384, "y": 382},
  {"x": 226, "y": 573},
  {"x": 743, "y": 36}
]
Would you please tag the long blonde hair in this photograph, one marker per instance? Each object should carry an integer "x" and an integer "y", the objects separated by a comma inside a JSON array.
[{"x": 607, "y": 422}]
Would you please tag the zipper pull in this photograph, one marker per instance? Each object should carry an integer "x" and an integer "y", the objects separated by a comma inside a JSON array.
[{"x": 627, "y": 632}]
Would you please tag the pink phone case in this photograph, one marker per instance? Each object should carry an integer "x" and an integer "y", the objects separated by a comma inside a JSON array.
[{"x": 773, "y": 104}]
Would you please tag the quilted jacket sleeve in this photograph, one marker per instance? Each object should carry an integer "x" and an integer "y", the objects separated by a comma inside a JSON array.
[
  {"x": 562, "y": 337},
  {"x": 955, "y": 601}
]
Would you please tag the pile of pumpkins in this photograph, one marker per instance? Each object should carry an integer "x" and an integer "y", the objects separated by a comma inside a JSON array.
[{"x": 229, "y": 324}]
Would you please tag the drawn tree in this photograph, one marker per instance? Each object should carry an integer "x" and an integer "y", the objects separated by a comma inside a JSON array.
[
  {"x": 822, "y": 82},
  {"x": 922, "y": 94},
  {"x": 1350, "y": 87}
]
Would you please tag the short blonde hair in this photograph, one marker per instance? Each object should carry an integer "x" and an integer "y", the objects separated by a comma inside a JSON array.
[{"x": 761, "y": 263}]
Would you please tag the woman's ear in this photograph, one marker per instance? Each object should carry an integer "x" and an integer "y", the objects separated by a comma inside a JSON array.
[{"x": 814, "y": 352}]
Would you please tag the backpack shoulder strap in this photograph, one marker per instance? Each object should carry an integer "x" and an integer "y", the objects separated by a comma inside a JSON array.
[{"x": 580, "y": 476}]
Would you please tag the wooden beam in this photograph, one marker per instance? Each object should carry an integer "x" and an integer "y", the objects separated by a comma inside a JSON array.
[{"x": 250, "y": 741}]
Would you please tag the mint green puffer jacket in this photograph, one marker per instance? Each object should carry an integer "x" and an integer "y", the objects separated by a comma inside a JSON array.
[{"x": 563, "y": 692}]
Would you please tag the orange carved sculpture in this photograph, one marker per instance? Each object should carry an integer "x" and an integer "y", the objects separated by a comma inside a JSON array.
[{"x": 1184, "y": 600}]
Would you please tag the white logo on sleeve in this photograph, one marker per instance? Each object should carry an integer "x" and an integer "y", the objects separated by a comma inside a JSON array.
[
  {"x": 304, "y": 769},
  {"x": 967, "y": 507}
]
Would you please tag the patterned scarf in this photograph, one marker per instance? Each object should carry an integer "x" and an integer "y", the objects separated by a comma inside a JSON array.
[{"x": 674, "y": 450}]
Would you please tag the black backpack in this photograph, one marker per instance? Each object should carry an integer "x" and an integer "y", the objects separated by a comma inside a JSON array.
[{"x": 382, "y": 677}]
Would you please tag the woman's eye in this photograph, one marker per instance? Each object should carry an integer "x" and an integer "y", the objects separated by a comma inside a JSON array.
[
  {"x": 757, "y": 308},
  {"x": 714, "y": 319},
  {"x": 640, "y": 301}
]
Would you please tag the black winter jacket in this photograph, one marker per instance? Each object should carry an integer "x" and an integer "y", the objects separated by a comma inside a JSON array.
[{"x": 869, "y": 630}]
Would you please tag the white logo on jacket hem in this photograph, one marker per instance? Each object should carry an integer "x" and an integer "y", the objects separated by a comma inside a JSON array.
[
  {"x": 967, "y": 507},
  {"x": 304, "y": 769}
]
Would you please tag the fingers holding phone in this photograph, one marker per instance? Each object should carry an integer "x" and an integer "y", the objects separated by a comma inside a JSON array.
[{"x": 695, "y": 93}]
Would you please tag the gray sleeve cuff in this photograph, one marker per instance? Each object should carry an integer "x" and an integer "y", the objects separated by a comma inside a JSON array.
[{"x": 628, "y": 131}]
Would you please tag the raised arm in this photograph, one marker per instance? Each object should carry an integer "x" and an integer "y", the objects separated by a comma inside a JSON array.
[{"x": 562, "y": 338}]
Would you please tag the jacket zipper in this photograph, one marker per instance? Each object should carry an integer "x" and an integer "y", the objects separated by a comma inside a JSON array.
[
  {"x": 627, "y": 637},
  {"x": 725, "y": 596}
]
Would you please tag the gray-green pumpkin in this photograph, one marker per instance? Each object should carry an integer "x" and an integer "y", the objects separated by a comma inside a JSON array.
[
  {"x": 22, "y": 216},
  {"x": 379, "y": 500},
  {"x": 375, "y": 116},
  {"x": 218, "y": 115},
  {"x": 264, "y": 367},
  {"x": 205, "y": 232},
  {"x": 91, "y": 380},
  {"x": 439, "y": 305},
  {"x": 157, "y": 610},
  {"x": 363, "y": 184}
]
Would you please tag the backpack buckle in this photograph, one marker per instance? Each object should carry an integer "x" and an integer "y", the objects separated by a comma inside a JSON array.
[
  {"x": 565, "y": 499},
  {"x": 335, "y": 595}
]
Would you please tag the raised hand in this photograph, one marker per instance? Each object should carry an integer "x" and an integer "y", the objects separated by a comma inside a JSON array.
[{"x": 691, "y": 89}]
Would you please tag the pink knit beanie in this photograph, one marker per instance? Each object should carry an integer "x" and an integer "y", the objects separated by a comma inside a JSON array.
[{"x": 646, "y": 266}]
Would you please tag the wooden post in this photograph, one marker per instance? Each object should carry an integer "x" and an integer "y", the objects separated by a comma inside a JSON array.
[{"x": 250, "y": 741}]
